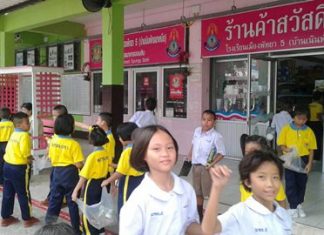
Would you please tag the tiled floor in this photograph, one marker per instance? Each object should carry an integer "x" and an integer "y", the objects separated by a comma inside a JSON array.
[{"x": 313, "y": 224}]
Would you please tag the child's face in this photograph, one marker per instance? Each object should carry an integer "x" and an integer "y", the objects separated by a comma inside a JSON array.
[
  {"x": 265, "y": 183},
  {"x": 207, "y": 121},
  {"x": 250, "y": 147},
  {"x": 55, "y": 114},
  {"x": 24, "y": 125},
  {"x": 28, "y": 112},
  {"x": 161, "y": 153},
  {"x": 101, "y": 123},
  {"x": 300, "y": 120}
]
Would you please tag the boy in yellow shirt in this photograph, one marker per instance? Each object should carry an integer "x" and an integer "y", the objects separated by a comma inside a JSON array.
[
  {"x": 6, "y": 129},
  {"x": 300, "y": 136},
  {"x": 16, "y": 172}
]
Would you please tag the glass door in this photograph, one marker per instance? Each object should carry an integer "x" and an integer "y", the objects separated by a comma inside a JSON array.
[{"x": 259, "y": 85}]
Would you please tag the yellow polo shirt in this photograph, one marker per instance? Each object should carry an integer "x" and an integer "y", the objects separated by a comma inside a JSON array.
[
  {"x": 315, "y": 108},
  {"x": 18, "y": 148},
  {"x": 96, "y": 165},
  {"x": 6, "y": 129},
  {"x": 124, "y": 166},
  {"x": 246, "y": 194},
  {"x": 110, "y": 148},
  {"x": 64, "y": 151},
  {"x": 301, "y": 138}
]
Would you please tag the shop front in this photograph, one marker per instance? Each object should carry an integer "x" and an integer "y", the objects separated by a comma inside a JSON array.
[{"x": 260, "y": 59}]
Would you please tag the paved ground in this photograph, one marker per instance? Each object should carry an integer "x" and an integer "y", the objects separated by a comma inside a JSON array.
[{"x": 313, "y": 224}]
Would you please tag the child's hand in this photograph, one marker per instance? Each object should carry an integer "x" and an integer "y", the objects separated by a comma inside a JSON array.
[
  {"x": 113, "y": 190},
  {"x": 104, "y": 183},
  {"x": 220, "y": 175},
  {"x": 308, "y": 167},
  {"x": 74, "y": 196}
]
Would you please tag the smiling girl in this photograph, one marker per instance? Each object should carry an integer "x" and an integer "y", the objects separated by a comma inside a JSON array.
[
  {"x": 260, "y": 173},
  {"x": 163, "y": 203}
]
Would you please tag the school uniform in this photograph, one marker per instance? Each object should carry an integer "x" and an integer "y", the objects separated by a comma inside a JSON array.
[
  {"x": 131, "y": 178},
  {"x": 202, "y": 145},
  {"x": 316, "y": 125},
  {"x": 144, "y": 118},
  {"x": 152, "y": 211},
  {"x": 6, "y": 129},
  {"x": 280, "y": 119},
  {"x": 16, "y": 172},
  {"x": 304, "y": 140},
  {"x": 64, "y": 152},
  {"x": 95, "y": 171},
  {"x": 251, "y": 217},
  {"x": 110, "y": 148},
  {"x": 246, "y": 194}
]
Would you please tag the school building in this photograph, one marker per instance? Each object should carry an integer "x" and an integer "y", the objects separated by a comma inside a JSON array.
[{"x": 240, "y": 58}]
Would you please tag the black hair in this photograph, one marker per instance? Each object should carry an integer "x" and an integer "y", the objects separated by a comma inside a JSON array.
[
  {"x": 251, "y": 162},
  {"x": 5, "y": 113},
  {"x": 316, "y": 95},
  {"x": 55, "y": 229},
  {"x": 141, "y": 142},
  {"x": 106, "y": 117},
  {"x": 64, "y": 124},
  {"x": 209, "y": 112},
  {"x": 150, "y": 103},
  {"x": 27, "y": 106},
  {"x": 97, "y": 136},
  {"x": 61, "y": 109},
  {"x": 19, "y": 117},
  {"x": 301, "y": 110},
  {"x": 125, "y": 130}
]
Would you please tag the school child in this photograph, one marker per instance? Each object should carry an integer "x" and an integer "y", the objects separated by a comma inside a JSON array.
[
  {"x": 298, "y": 135},
  {"x": 6, "y": 129},
  {"x": 147, "y": 117},
  {"x": 163, "y": 203},
  {"x": 253, "y": 143},
  {"x": 104, "y": 121},
  {"x": 66, "y": 158},
  {"x": 57, "y": 111},
  {"x": 282, "y": 118},
  {"x": 206, "y": 140},
  {"x": 93, "y": 173},
  {"x": 28, "y": 109},
  {"x": 260, "y": 173},
  {"x": 129, "y": 178},
  {"x": 16, "y": 173}
]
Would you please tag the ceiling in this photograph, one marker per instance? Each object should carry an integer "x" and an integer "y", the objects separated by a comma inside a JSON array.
[{"x": 9, "y": 5}]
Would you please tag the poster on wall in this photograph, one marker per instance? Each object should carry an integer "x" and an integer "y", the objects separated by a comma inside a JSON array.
[
  {"x": 52, "y": 56},
  {"x": 146, "y": 86},
  {"x": 68, "y": 52},
  {"x": 31, "y": 57},
  {"x": 95, "y": 51},
  {"x": 175, "y": 93},
  {"x": 20, "y": 58}
]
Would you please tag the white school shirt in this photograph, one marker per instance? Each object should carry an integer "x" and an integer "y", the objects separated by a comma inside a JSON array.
[
  {"x": 279, "y": 120},
  {"x": 252, "y": 218},
  {"x": 144, "y": 118},
  {"x": 202, "y": 144},
  {"x": 152, "y": 211}
]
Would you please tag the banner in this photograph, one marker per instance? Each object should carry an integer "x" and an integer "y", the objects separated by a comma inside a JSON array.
[
  {"x": 157, "y": 46},
  {"x": 293, "y": 26}
]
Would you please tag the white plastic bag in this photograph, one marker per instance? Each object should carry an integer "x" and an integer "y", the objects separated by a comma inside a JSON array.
[
  {"x": 102, "y": 214},
  {"x": 293, "y": 162}
]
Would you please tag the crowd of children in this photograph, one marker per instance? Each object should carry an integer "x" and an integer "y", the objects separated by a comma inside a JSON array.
[{"x": 151, "y": 198}]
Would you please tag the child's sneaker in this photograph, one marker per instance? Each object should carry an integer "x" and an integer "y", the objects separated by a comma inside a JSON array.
[
  {"x": 30, "y": 222},
  {"x": 9, "y": 221},
  {"x": 293, "y": 213},
  {"x": 301, "y": 212}
]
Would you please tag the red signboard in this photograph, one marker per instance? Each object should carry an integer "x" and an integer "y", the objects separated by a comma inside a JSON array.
[
  {"x": 95, "y": 53},
  {"x": 285, "y": 27},
  {"x": 176, "y": 86},
  {"x": 158, "y": 46}
]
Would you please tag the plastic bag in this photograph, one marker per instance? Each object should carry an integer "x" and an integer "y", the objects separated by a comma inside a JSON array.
[
  {"x": 102, "y": 214},
  {"x": 293, "y": 162}
]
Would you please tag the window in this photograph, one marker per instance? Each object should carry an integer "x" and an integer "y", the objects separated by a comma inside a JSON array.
[
  {"x": 97, "y": 92},
  {"x": 146, "y": 86}
]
